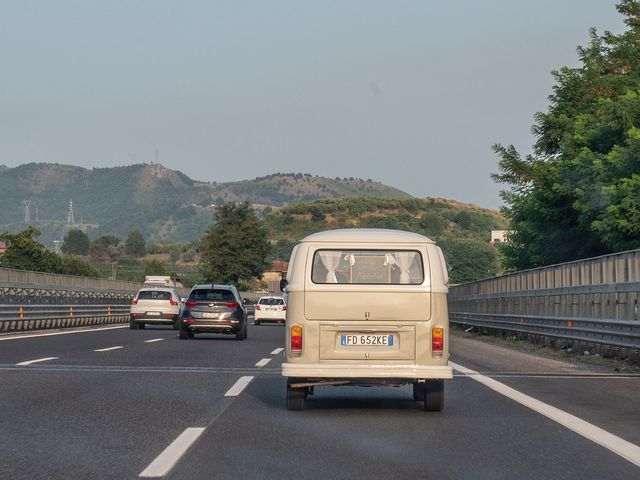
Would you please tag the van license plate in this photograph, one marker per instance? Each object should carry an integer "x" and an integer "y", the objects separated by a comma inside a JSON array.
[{"x": 368, "y": 340}]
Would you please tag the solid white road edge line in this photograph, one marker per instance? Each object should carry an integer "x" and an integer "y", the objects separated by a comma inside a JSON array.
[
  {"x": 277, "y": 351},
  {"x": 107, "y": 349},
  {"x": 29, "y": 362},
  {"x": 20, "y": 337},
  {"x": 154, "y": 340},
  {"x": 238, "y": 387},
  {"x": 617, "y": 445},
  {"x": 170, "y": 455},
  {"x": 263, "y": 362}
]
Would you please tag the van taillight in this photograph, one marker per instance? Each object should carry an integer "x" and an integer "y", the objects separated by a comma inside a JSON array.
[
  {"x": 135, "y": 300},
  {"x": 296, "y": 340},
  {"x": 172, "y": 301},
  {"x": 191, "y": 303},
  {"x": 437, "y": 341}
]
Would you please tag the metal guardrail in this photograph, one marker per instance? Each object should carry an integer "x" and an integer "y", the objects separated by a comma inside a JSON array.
[
  {"x": 39, "y": 317},
  {"x": 590, "y": 304}
]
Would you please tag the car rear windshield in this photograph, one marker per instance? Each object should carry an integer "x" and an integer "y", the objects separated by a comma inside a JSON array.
[
  {"x": 271, "y": 301},
  {"x": 154, "y": 295},
  {"x": 212, "y": 295},
  {"x": 391, "y": 267}
]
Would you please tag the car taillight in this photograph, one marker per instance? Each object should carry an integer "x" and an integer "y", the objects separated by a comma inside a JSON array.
[
  {"x": 258, "y": 307},
  {"x": 172, "y": 301},
  {"x": 231, "y": 304},
  {"x": 284, "y": 308},
  {"x": 437, "y": 341},
  {"x": 191, "y": 303},
  {"x": 296, "y": 340},
  {"x": 134, "y": 301}
]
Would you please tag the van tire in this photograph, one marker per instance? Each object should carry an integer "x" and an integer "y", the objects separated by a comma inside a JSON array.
[
  {"x": 295, "y": 398},
  {"x": 418, "y": 391},
  {"x": 434, "y": 395}
]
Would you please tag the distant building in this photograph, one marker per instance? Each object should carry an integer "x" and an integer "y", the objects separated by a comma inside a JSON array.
[
  {"x": 3, "y": 248},
  {"x": 498, "y": 236},
  {"x": 273, "y": 276}
]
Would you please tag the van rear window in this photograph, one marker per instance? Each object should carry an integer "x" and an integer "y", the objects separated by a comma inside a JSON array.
[{"x": 391, "y": 267}]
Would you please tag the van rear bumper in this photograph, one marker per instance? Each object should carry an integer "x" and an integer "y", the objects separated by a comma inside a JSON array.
[{"x": 314, "y": 370}]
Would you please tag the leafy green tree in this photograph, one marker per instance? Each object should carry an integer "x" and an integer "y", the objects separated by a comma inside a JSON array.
[
  {"x": 281, "y": 250},
  {"x": 578, "y": 194},
  {"x": 153, "y": 267},
  {"x": 72, "y": 265},
  {"x": 76, "y": 242},
  {"x": 236, "y": 247},
  {"x": 135, "y": 244},
  {"x": 24, "y": 252},
  {"x": 469, "y": 260}
]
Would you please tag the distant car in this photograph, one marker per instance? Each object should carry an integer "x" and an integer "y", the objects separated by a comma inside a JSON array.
[
  {"x": 155, "y": 305},
  {"x": 270, "y": 309},
  {"x": 213, "y": 309}
]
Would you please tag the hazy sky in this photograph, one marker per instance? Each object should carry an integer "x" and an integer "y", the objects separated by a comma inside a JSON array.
[{"x": 410, "y": 93}]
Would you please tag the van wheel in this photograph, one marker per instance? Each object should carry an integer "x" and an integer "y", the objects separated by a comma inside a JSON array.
[
  {"x": 295, "y": 398},
  {"x": 434, "y": 395},
  {"x": 418, "y": 391}
]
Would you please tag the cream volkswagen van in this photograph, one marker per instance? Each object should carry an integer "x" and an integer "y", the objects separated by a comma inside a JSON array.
[{"x": 367, "y": 307}]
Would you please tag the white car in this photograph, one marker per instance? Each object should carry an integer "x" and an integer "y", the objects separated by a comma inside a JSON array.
[
  {"x": 155, "y": 305},
  {"x": 270, "y": 309}
]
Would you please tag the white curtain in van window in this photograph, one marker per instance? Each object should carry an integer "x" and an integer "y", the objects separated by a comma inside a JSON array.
[
  {"x": 404, "y": 260},
  {"x": 330, "y": 260}
]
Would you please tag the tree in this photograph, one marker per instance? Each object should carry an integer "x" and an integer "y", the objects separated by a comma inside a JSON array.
[
  {"x": 24, "y": 252},
  {"x": 76, "y": 242},
  {"x": 153, "y": 267},
  {"x": 469, "y": 260},
  {"x": 578, "y": 194},
  {"x": 72, "y": 265},
  {"x": 135, "y": 244},
  {"x": 236, "y": 246}
]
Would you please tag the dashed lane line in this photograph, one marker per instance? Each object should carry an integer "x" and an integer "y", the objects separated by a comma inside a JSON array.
[
  {"x": 108, "y": 349},
  {"x": 154, "y": 340},
  {"x": 172, "y": 454},
  {"x": 239, "y": 386},
  {"x": 29, "y": 362},
  {"x": 85, "y": 330},
  {"x": 617, "y": 445},
  {"x": 277, "y": 351},
  {"x": 263, "y": 362}
]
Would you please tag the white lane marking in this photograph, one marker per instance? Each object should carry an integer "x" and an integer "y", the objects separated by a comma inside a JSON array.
[
  {"x": 154, "y": 340},
  {"x": 29, "y": 362},
  {"x": 238, "y": 387},
  {"x": 277, "y": 351},
  {"x": 20, "y": 337},
  {"x": 172, "y": 454},
  {"x": 617, "y": 445},
  {"x": 108, "y": 349},
  {"x": 263, "y": 362}
]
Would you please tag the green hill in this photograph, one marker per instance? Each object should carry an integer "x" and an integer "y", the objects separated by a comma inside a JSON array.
[{"x": 162, "y": 203}]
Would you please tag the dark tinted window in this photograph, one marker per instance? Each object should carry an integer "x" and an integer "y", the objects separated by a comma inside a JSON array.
[
  {"x": 271, "y": 301},
  {"x": 154, "y": 295},
  {"x": 212, "y": 295}
]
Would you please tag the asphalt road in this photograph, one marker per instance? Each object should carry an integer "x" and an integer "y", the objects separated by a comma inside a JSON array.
[{"x": 95, "y": 411}]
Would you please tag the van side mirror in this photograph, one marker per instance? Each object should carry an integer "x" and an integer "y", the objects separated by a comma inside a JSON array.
[{"x": 283, "y": 284}]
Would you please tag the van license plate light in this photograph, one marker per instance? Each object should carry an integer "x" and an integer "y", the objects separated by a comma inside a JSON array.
[{"x": 351, "y": 339}]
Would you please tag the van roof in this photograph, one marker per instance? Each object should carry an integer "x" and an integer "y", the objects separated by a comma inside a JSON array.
[{"x": 367, "y": 235}]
